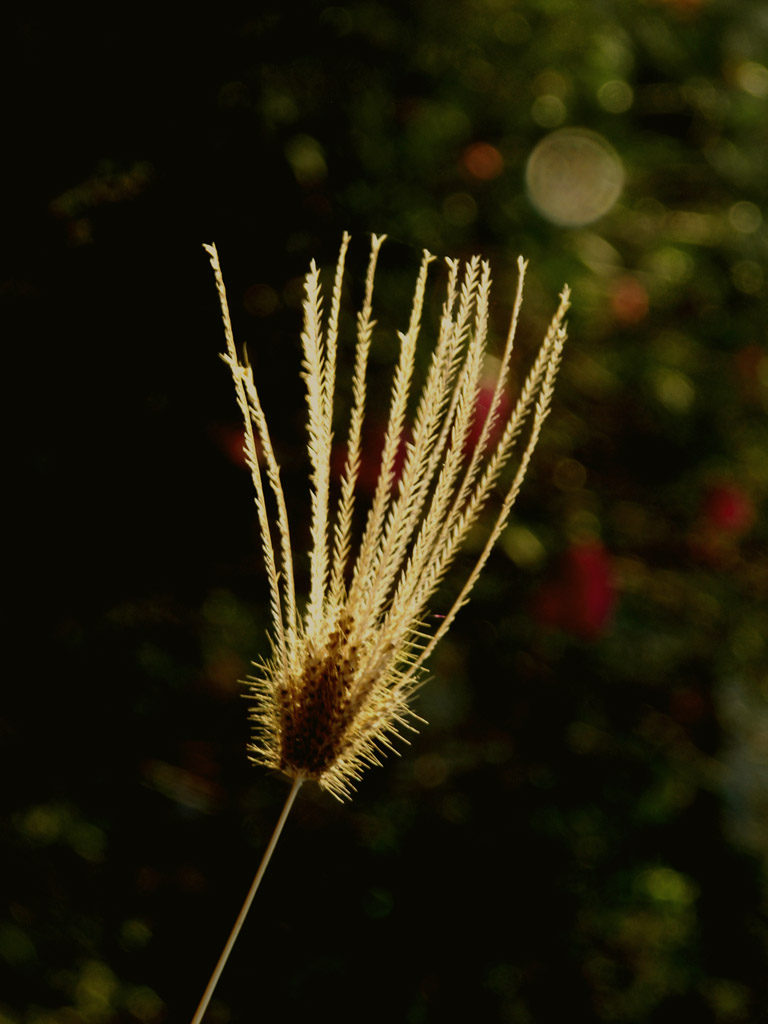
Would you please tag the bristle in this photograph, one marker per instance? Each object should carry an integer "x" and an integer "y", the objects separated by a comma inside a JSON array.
[{"x": 333, "y": 698}]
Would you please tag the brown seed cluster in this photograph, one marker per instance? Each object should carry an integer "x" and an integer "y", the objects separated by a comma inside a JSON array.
[{"x": 317, "y": 709}]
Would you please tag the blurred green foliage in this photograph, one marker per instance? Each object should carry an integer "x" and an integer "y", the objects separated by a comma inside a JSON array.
[{"x": 581, "y": 830}]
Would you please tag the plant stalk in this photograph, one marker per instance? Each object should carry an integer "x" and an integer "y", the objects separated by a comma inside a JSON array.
[{"x": 200, "y": 1013}]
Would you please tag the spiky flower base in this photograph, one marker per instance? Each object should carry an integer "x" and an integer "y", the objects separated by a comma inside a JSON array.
[
  {"x": 326, "y": 720},
  {"x": 334, "y": 694}
]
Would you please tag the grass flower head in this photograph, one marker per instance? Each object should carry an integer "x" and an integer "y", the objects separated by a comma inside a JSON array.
[{"x": 334, "y": 694}]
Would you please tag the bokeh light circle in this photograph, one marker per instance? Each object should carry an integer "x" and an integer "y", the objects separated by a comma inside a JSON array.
[{"x": 573, "y": 176}]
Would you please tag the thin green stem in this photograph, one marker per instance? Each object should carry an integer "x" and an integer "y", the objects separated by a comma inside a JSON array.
[{"x": 200, "y": 1013}]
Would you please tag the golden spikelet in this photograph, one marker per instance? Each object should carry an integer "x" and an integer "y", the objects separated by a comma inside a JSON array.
[{"x": 334, "y": 694}]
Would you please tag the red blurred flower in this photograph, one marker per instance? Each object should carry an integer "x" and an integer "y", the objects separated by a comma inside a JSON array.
[
  {"x": 482, "y": 408},
  {"x": 483, "y": 161},
  {"x": 230, "y": 441},
  {"x": 728, "y": 509},
  {"x": 629, "y": 299},
  {"x": 582, "y": 597},
  {"x": 726, "y": 513}
]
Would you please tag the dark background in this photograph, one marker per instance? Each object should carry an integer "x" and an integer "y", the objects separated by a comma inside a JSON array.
[{"x": 580, "y": 832}]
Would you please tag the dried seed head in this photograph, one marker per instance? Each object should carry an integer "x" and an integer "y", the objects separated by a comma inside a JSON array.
[{"x": 334, "y": 694}]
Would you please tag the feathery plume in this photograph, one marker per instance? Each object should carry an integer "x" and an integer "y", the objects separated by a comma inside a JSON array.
[{"x": 333, "y": 696}]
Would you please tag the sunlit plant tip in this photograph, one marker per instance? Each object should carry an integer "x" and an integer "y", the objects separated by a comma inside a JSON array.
[{"x": 334, "y": 695}]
